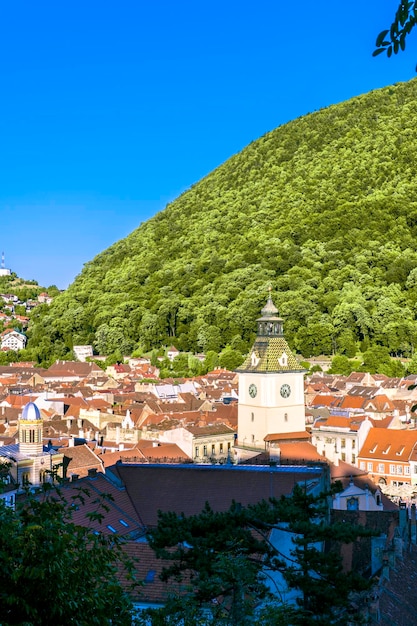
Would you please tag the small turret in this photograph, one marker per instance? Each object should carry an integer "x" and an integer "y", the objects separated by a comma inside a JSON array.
[{"x": 31, "y": 430}]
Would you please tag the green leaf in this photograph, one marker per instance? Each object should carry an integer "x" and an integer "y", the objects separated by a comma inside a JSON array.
[{"x": 380, "y": 38}]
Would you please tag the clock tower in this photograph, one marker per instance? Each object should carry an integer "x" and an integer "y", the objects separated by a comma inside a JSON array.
[{"x": 271, "y": 385}]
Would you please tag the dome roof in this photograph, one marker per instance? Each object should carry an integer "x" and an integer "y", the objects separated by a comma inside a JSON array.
[
  {"x": 269, "y": 312},
  {"x": 31, "y": 412},
  {"x": 269, "y": 308}
]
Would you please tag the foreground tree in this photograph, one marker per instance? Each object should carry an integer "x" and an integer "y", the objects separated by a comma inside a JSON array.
[
  {"x": 220, "y": 565},
  {"x": 53, "y": 571},
  {"x": 392, "y": 40}
]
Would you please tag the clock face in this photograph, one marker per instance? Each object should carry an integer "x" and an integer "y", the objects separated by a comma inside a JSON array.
[
  {"x": 252, "y": 391},
  {"x": 285, "y": 391}
]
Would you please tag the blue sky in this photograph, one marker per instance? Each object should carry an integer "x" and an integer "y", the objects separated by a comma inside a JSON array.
[{"x": 111, "y": 110}]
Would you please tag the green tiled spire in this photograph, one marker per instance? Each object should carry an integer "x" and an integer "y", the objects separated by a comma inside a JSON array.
[{"x": 270, "y": 352}]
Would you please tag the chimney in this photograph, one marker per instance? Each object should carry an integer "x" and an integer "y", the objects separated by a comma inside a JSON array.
[
  {"x": 74, "y": 478},
  {"x": 71, "y": 442},
  {"x": 92, "y": 471},
  {"x": 413, "y": 523},
  {"x": 275, "y": 454}
]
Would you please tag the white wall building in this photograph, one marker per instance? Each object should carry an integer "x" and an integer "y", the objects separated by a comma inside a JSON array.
[{"x": 12, "y": 340}]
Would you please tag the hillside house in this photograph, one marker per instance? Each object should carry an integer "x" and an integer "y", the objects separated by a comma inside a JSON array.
[
  {"x": 12, "y": 340},
  {"x": 44, "y": 298},
  {"x": 172, "y": 353}
]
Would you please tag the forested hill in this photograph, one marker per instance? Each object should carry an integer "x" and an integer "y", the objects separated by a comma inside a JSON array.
[{"x": 323, "y": 209}]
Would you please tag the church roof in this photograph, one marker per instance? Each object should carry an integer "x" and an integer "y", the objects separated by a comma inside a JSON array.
[
  {"x": 270, "y": 311},
  {"x": 31, "y": 412},
  {"x": 12, "y": 452},
  {"x": 270, "y": 354}
]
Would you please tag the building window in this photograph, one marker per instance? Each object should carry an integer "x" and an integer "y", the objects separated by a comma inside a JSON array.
[
  {"x": 399, "y": 469},
  {"x": 286, "y": 417},
  {"x": 343, "y": 456},
  {"x": 353, "y": 444},
  {"x": 213, "y": 448},
  {"x": 362, "y": 466},
  {"x": 197, "y": 451},
  {"x": 353, "y": 458},
  {"x": 352, "y": 504},
  {"x": 407, "y": 469},
  {"x": 381, "y": 468},
  {"x": 228, "y": 445},
  {"x": 370, "y": 467},
  {"x": 252, "y": 417},
  {"x": 204, "y": 450},
  {"x": 253, "y": 438},
  {"x": 343, "y": 443},
  {"x": 392, "y": 469},
  {"x": 221, "y": 448}
]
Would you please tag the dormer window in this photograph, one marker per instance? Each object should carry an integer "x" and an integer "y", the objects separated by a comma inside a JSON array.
[
  {"x": 283, "y": 361},
  {"x": 387, "y": 449},
  {"x": 254, "y": 359}
]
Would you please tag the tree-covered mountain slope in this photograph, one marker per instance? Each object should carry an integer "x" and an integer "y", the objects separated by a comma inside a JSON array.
[{"x": 324, "y": 209}]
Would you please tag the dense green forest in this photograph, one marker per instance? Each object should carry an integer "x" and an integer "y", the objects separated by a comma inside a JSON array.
[{"x": 323, "y": 209}]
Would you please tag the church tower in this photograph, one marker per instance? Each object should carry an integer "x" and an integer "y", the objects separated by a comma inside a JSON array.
[
  {"x": 30, "y": 431},
  {"x": 271, "y": 385}
]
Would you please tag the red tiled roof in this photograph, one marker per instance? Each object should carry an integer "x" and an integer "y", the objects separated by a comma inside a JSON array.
[
  {"x": 324, "y": 400},
  {"x": 296, "y": 436},
  {"x": 389, "y": 444},
  {"x": 186, "y": 489},
  {"x": 84, "y": 493},
  {"x": 352, "y": 402}
]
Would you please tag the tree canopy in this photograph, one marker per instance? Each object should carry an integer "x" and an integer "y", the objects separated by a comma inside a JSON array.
[
  {"x": 53, "y": 571},
  {"x": 322, "y": 209}
]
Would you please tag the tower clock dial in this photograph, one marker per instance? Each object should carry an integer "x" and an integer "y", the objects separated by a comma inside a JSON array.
[
  {"x": 285, "y": 391},
  {"x": 252, "y": 390}
]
